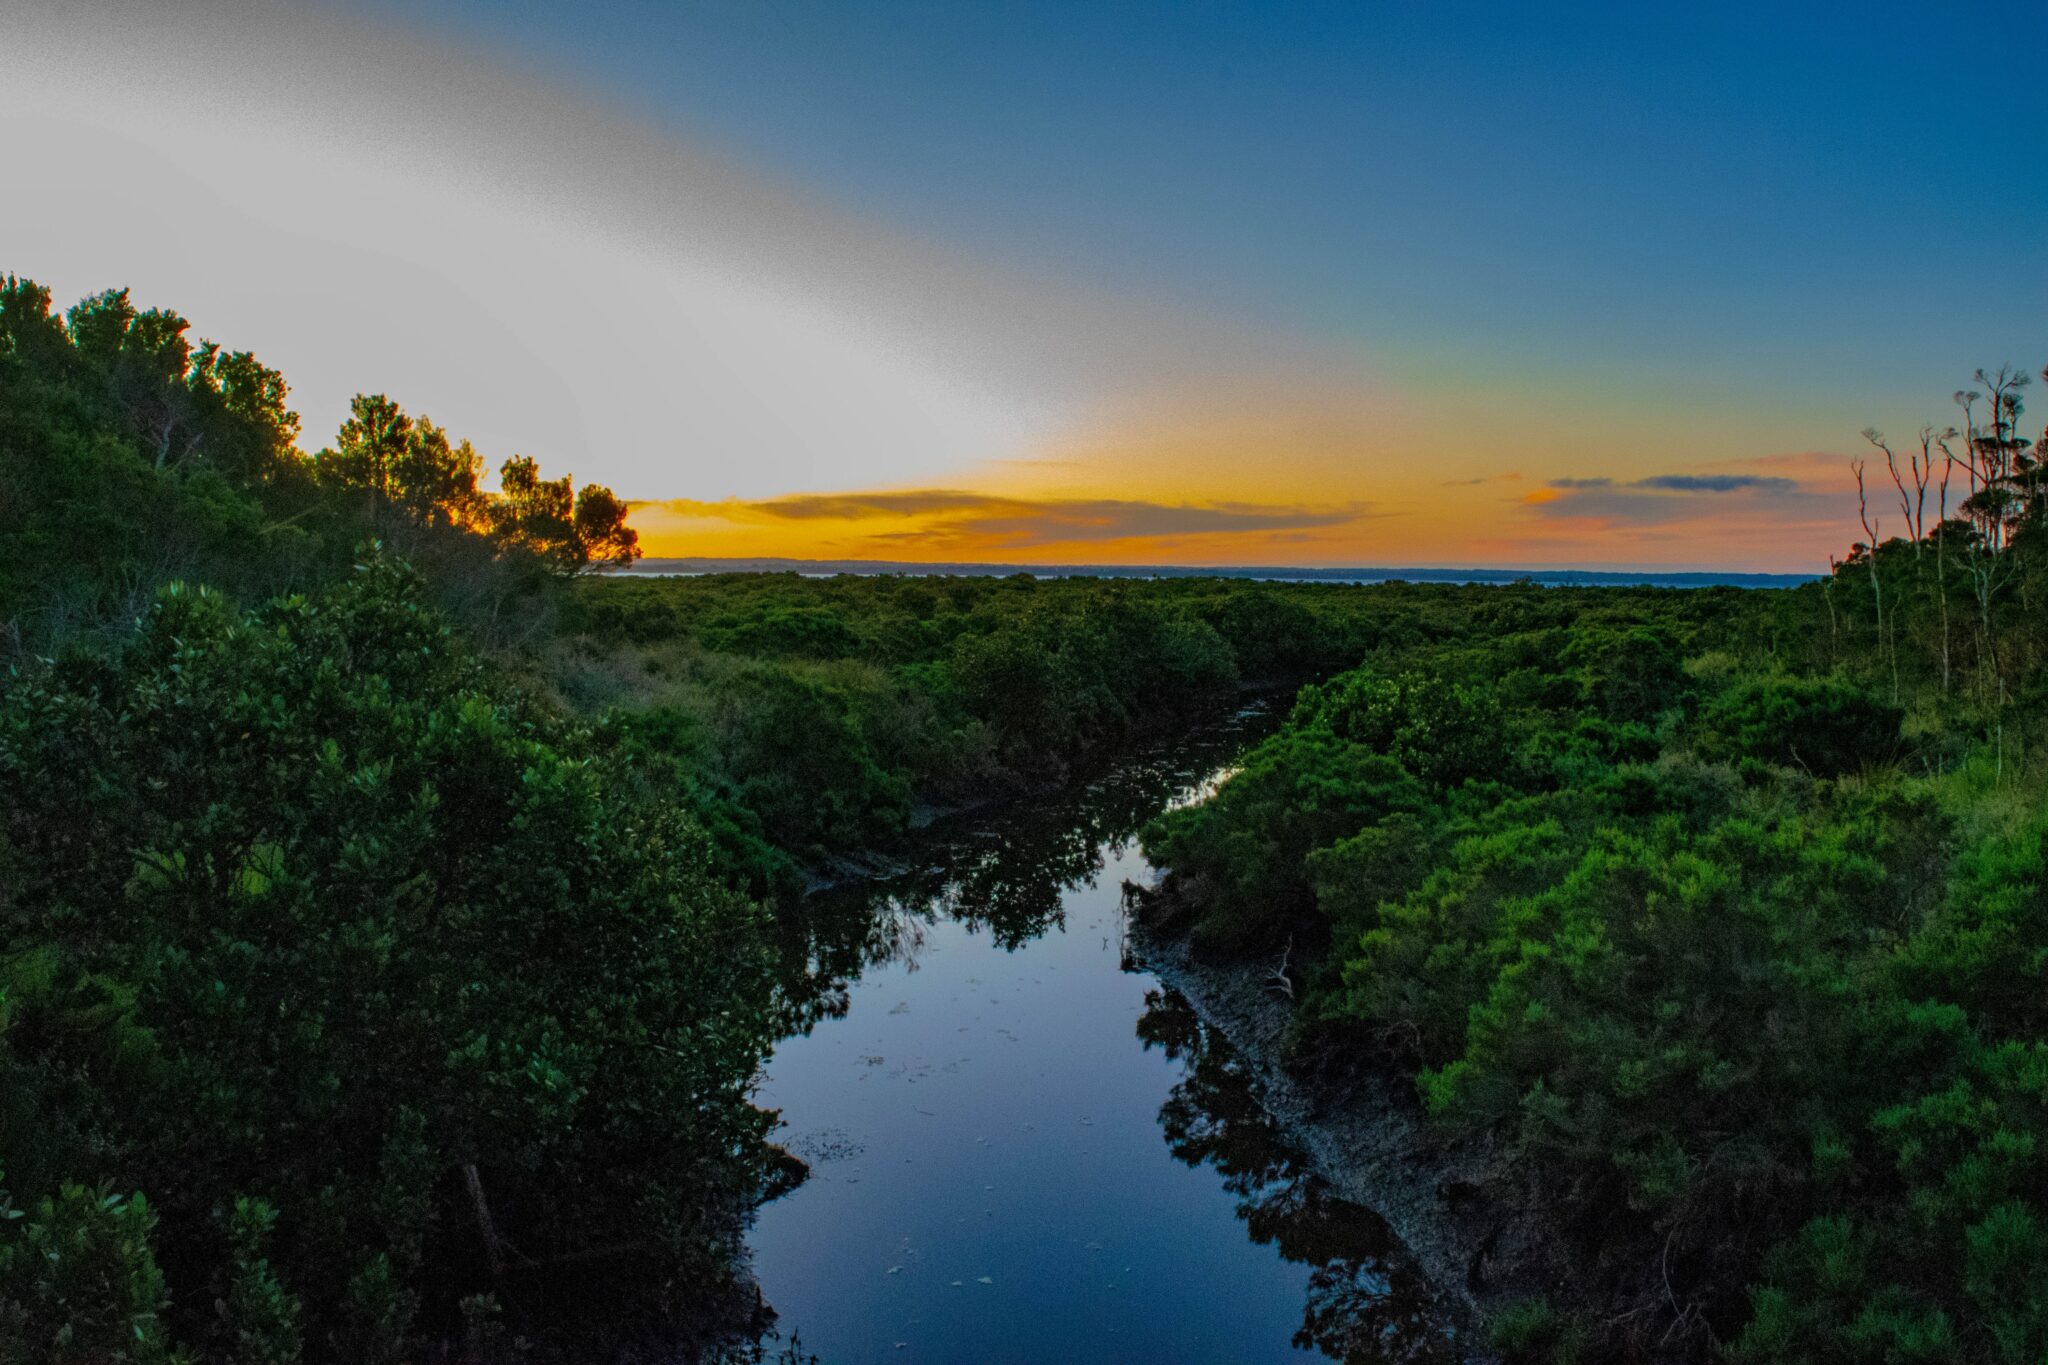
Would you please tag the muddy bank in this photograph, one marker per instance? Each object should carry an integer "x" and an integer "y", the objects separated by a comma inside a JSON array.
[{"x": 1366, "y": 1136}]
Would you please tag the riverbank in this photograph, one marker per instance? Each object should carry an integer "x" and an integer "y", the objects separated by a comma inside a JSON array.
[{"x": 1480, "y": 1254}]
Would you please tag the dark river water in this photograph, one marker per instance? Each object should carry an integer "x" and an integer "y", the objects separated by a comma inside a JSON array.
[{"x": 1023, "y": 1149}]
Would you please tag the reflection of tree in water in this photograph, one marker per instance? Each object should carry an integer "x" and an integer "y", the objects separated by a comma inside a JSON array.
[
  {"x": 1363, "y": 1304},
  {"x": 1008, "y": 875},
  {"x": 827, "y": 942}
]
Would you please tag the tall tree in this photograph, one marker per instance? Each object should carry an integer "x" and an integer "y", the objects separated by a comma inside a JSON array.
[
  {"x": 536, "y": 514},
  {"x": 143, "y": 359},
  {"x": 436, "y": 481},
  {"x": 602, "y": 537},
  {"x": 262, "y": 442},
  {"x": 368, "y": 449}
]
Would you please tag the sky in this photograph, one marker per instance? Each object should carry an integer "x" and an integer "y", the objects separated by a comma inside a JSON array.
[{"x": 1379, "y": 284}]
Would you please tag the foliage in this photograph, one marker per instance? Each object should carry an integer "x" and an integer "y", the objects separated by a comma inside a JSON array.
[
  {"x": 1443, "y": 732},
  {"x": 81, "y": 1281},
  {"x": 807, "y": 718},
  {"x": 1825, "y": 726},
  {"x": 309, "y": 920}
]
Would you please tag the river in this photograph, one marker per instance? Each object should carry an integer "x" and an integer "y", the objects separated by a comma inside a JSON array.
[{"x": 1023, "y": 1148}]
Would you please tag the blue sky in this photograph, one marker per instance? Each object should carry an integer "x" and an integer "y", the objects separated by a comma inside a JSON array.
[{"x": 1756, "y": 192}]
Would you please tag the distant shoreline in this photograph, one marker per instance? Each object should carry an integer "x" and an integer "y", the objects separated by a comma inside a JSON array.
[{"x": 1561, "y": 578}]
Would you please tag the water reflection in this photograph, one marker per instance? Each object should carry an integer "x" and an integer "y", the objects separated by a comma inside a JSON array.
[
  {"x": 1364, "y": 1305},
  {"x": 1008, "y": 877},
  {"x": 987, "y": 1179}
]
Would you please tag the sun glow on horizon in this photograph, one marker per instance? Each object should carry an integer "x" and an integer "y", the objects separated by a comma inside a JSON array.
[
  {"x": 1313, "y": 479},
  {"x": 1730, "y": 521}
]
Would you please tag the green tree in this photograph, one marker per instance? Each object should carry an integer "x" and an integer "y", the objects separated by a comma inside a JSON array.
[
  {"x": 435, "y": 481},
  {"x": 368, "y": 450},
  {"x": 537, "y": 515}
]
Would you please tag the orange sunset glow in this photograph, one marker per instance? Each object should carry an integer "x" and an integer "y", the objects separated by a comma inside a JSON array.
[{"x": 1333, "y": 489}]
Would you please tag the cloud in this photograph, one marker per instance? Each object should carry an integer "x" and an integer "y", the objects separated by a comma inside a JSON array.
[
  {"x": 1716, "y": 483},
  {"x": 990, "y": 521},
  {"x": 1661, "y": 499},
  {"x": 1614, "y": 505},
  {"x": 1689, "y": 483}
]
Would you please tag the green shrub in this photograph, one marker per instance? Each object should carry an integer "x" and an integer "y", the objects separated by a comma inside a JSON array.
[
  {"x": 1824, "y": 726},
  {"x": 1531, "y": 1332},
  {"x": 79, "y": 1283},
  {"x": 302, "y": 913},
  {"x": 1443, "y": 732}
]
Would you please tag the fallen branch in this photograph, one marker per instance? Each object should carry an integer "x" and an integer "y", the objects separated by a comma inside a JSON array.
[{"x": 1280, "y": 978}]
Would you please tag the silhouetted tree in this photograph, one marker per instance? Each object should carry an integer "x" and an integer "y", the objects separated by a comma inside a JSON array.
[
  {"x": 602, "y": 536},
  {"x": 548, "y": 518}
]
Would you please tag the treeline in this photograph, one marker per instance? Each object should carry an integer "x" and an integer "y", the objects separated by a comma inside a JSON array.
[
  {"x": 137, "y": 457},
  {"x": 1953, "y": 604},
  {"x": 1723, "y": 916}
]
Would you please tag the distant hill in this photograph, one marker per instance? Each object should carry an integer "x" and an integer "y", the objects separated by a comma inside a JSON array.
[{"x": 1576, "y": 578}]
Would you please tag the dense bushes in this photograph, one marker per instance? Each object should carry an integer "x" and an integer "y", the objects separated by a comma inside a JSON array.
[
  {"x": 1749, "y": 987},
  {"x": 821, "y": 714},
  {"x": 1825, "y": 726},
  {"x": 1443, "y": 732},
  {"x": 1292, "y": 796},
  {"x": 953, "y": 690},
  {"x": 300, "y": 907},
  {"x": 800, "y": 758}
]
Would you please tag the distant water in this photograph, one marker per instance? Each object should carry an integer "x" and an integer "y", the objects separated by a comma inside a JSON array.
[
  {"x": 1023, "y": 1150},
  {"x": 1552, "y": 578}
]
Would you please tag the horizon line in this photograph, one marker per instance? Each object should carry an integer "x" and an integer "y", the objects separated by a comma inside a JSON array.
[{"x": 768, "y": 563}]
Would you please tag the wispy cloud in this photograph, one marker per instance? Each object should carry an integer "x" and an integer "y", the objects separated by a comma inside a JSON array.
[
  {"x": 1689, "y": 483},
  {"x": 1716, "y": 483},
  {"x": 1662, "y": 499},
  {"x": 953, "y": 516}
]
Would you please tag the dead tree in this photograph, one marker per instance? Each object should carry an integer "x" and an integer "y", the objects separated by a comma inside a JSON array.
[
  {"x": 1913, "y": 501},
  {"x": 1876, "y": 580},
  {"x": 1948, "y": 465},
  {"x": 1827, "y": 595},
  {"x": 1994, "y": 462}
]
